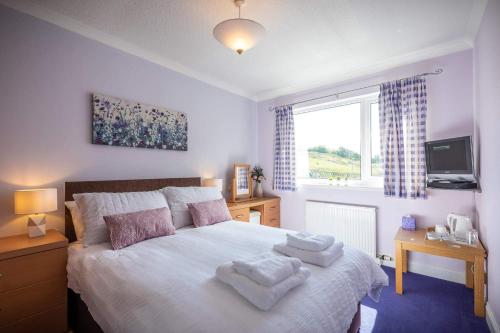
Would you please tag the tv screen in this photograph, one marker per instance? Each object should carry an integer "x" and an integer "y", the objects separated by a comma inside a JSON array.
[{"x": 450, "y": 156}]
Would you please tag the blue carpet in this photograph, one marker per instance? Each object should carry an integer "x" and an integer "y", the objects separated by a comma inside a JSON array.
[{"x": 428, "y": 305}]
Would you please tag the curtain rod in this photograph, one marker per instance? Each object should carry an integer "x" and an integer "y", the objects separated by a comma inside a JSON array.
[{"x": 436, "y": 72}]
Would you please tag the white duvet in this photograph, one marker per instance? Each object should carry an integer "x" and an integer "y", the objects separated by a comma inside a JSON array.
[{"x": 168, "y": 284}]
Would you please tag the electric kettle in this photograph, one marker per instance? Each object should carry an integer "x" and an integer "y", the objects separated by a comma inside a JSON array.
[{"x": 459, "y": 223}]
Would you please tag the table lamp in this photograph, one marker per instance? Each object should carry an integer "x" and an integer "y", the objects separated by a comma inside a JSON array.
[
  {"x": 213, "y": 182},
  {"x": 35, "y": 202}
]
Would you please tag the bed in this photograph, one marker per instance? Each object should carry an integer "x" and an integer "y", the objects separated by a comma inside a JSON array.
[{"x": 110, "y": 291}]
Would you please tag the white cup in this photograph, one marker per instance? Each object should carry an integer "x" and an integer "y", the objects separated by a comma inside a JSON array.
[{"x": 440, "y": 229}]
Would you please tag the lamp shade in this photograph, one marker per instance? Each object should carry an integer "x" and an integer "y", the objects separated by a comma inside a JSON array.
[
  {"x": 239, "y": 34},
  {"x": 213, "y": 182},
  {"x": 35, "y": 201}
]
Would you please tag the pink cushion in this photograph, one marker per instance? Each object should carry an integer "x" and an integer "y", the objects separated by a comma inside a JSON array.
[
  {"x": 209, "y": 212},
  {"x": 130, "y": 228}
]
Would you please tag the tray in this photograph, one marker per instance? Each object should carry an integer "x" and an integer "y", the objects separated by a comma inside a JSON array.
[{"x": 432, "y": 236}]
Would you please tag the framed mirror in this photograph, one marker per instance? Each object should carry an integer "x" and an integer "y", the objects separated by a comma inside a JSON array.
[{"x": 242, "y": 182}]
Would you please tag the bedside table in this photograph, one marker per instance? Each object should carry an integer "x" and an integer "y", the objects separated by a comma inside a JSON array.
[{"x": 33, "y": 283}]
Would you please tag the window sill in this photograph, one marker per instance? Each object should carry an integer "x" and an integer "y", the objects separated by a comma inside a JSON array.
[{"x": 354, "y": 185}]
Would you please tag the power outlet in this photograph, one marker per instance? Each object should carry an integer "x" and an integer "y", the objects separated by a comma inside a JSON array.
[{"x": 384, "y": 257}]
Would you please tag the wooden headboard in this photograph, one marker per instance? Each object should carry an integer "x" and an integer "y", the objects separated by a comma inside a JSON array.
[{"x": 135, "y": 185}]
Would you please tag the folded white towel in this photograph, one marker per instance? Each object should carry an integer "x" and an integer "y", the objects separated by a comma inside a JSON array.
[
  {"x": 310, "y": 242},
  {"x": 262, "y": 297},
  {"x": 322, "y": 258},
  {"x": 267, "y": 269}
]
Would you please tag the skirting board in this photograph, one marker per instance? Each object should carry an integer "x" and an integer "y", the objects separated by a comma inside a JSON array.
[
  {"x": 491, "y": 320},
  {"x": 432, "y": 271}
]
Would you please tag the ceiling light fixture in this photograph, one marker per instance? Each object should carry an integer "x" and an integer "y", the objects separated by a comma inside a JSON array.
[{"x": 239, "y": 34}]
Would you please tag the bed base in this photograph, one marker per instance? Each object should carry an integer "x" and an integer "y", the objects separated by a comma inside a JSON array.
[
  {"x": 80, "y": 320},
  {"x": 356, "y": 321}
]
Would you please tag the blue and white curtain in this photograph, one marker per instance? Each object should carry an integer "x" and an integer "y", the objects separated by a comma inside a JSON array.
[
  {"x": 284, "y": 149},
  {"x": 403, "y": 114}
]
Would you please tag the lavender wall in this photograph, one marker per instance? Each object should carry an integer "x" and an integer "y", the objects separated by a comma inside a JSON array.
[
  {"x": 450, "y": 114},
  {"x": 47, "y": 76},
  {"x": 487, "y": 108}
]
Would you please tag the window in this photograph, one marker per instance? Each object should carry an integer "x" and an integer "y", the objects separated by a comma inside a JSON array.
[
  {"x": 339, "y": 142},
  {"x": 376, "y": 162}
]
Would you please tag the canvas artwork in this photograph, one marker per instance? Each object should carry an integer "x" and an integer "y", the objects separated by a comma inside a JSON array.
[{"x": 118, "y": 122}]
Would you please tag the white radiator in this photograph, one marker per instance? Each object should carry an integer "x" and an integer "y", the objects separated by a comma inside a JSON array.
[{"x": 353, "y": 225}]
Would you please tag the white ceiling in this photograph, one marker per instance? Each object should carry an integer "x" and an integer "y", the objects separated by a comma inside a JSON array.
[{"x": 309, "y": 43}]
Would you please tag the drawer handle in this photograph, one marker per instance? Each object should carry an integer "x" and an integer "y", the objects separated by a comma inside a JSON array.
[
  {"x": 238, "y": 216},
  {"x": 1, "y": 275},
  {"x": 273, "y": 207}
]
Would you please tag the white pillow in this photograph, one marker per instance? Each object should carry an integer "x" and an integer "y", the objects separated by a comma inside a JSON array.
[
  {"x": 77, "y": 219},
  {"x": 93, "y": 206},
  {"x": 179, "y": 197}
]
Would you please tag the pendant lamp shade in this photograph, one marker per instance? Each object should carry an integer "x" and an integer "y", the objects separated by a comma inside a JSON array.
[{"x": 239, "y": 34}]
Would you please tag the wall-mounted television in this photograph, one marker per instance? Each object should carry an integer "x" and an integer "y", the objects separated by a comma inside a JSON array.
[{"x": 450, "y": 159}]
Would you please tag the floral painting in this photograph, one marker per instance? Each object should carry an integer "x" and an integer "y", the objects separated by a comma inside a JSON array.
[{"x": 118, "y": 122}]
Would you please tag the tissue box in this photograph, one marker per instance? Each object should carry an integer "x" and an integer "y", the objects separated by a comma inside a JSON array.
[{"x": 408, "y": 223}]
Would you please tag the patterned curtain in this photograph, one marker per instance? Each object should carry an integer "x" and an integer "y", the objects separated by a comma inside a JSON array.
[
  {"x": 414, "y": 100},
  {"x": 403, "y": 110},
  {"x": 391, "y": 138},
  {"x": 284, "y": 149}
]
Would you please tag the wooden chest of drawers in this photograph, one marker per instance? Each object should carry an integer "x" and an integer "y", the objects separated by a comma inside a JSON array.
[
  {"x": 33, "y": 283},
  {"x": 240, "y": 214},
  {"x": 269, "y": 208}
]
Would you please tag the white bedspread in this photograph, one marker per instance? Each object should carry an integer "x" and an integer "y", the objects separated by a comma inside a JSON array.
[{"x": 168, "y": 284}]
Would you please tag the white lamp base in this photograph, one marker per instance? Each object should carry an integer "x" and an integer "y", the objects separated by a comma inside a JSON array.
[{"x": 36, "y": 225}]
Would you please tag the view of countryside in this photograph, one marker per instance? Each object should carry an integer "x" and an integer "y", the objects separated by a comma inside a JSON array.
[
  {"x": 338, "y": 163},
  {"x": 328, "y": 143}
]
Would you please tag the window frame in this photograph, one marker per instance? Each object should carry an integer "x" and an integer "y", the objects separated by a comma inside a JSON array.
[{"x": 365, "y": 101}]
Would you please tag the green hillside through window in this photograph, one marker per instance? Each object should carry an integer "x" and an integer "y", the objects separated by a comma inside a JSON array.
[{"x": 343, "y": 163}]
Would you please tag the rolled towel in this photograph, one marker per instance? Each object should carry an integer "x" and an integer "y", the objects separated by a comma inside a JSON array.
[
  {"x": 267, "y": 269},
  {"x": 262, "y": 297},
  {"x": 309, "y": 242},
  {"x": 322, "y": 258}
]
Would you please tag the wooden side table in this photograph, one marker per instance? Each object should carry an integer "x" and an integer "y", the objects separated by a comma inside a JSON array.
[
  {"x": 33, "y": 283},
  {"x": 473, "y": 256}
]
